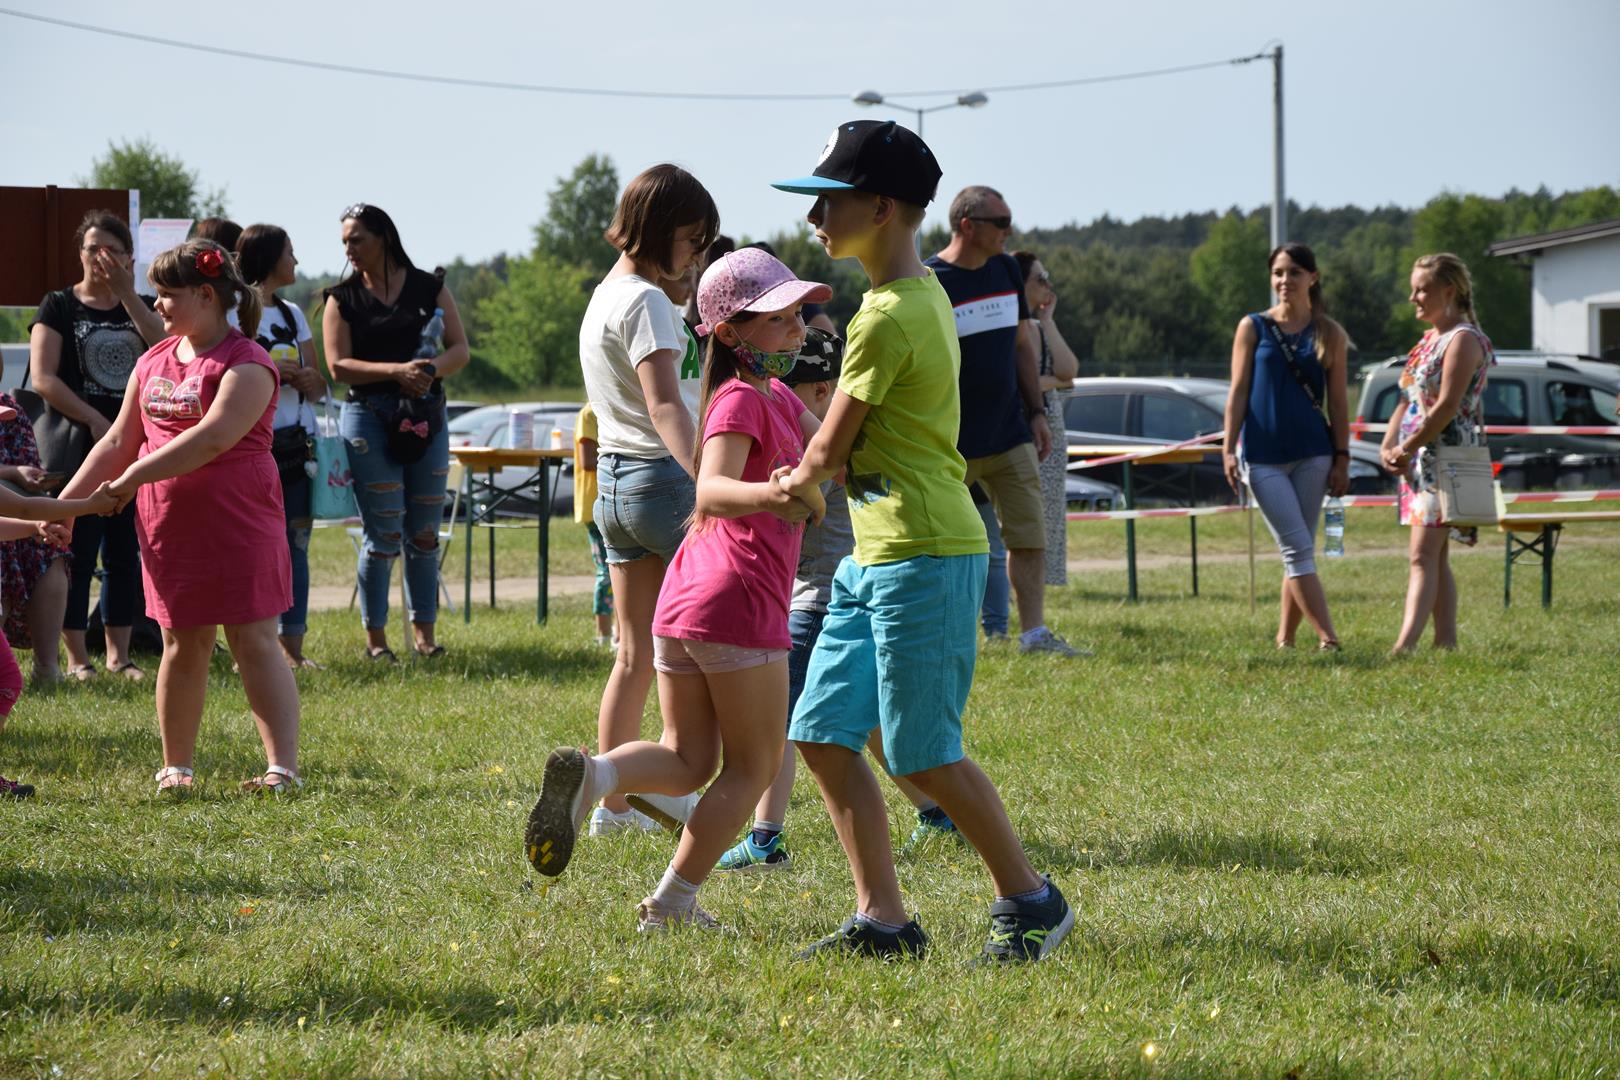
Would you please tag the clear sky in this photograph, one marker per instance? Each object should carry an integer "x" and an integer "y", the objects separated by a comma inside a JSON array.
[{"x": 1388, "y": 101}]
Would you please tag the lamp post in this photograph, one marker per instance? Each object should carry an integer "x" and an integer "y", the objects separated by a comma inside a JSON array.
[{"x": 966, "y": 101}]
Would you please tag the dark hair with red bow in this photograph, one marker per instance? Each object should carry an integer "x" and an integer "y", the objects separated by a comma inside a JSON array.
[{"x": 198, "y": 263}]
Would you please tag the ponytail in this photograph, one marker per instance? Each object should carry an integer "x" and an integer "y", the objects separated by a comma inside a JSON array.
[
  {"x": 1447, "y": 269},
  {"x": 196, "y": 263},
  {"x": 720, "y": 366}
]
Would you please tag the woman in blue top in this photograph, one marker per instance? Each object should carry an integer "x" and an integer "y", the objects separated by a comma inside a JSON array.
[{"x": 1288, "y": 367}]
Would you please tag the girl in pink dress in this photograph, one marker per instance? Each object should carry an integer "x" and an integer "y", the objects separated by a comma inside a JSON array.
[
  {"x": 721, "y": 628},
  {"x": 191, "y": 446}
]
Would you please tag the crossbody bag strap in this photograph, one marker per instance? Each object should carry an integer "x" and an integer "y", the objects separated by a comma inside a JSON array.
[
  {"x": 1294, "y": 370},
  {"x": 292, "y": 325}
]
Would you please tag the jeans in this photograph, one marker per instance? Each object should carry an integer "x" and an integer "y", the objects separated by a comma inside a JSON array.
[
  {"x": 804, "y": 627},
  {"x": 1290, "y": 499},
  {"x": 295, "y": 498},
  {"x": 113, "y": 539},
  {"x": 997, "y": 589},
  {"x": 602, "y": 592},
  {"x": 396, "y": 501},
  {"x": 641, "y": 506}
]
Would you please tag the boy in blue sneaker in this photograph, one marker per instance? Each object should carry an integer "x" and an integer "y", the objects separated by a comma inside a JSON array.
[{"x": 898, "y": 646}]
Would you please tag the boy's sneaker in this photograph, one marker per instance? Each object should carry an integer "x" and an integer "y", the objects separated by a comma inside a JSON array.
[
  {"x": 653, "y": 918},
  {"x": 605, "y": 822},
  {"x": 928, "y": 830},
  {"x": 864, "y": 939},
  {"x": 1043, "y": 640},
  {"x": 748, "y": 857},
  {"x": 555, "y": 821},
  {"x": 670, "y": 811},
  {"x": 1026, "y": 930},
  {"x": 10, "y": 789}
]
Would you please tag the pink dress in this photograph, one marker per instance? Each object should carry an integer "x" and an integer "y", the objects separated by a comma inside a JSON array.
[
  {"x": 731, "y": 579},
  {"x": 214, "y": 540}
]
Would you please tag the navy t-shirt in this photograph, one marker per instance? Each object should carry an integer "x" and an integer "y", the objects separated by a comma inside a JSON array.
[
  {"x": 1281, "y": 424},
  {"x": 989, "y": 303}
]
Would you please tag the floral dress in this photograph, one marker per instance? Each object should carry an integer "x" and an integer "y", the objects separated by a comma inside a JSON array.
[
  {"x": 1054, "y": 474},
  {"x": 1420, "y": 383},
  {"x": 22, "y": 562}
]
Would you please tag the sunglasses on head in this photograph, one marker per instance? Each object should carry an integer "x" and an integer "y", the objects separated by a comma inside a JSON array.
[
  {"x": 1004, "y": 222},
  {"x": 354, "y": 210}
]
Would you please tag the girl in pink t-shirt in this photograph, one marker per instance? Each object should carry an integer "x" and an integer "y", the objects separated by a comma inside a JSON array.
[
  {"x": 191, "y": 446},
  {"x": 721, "y": 628}
]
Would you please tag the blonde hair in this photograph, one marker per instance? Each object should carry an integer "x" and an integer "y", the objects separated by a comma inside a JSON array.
[
  {"x": 177, "y": 269},
  {"x": 1446, "y": 269}
]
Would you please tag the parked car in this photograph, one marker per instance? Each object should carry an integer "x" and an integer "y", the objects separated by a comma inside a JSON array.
[
  {"x": 1081, "y": 492},
  {"x": 1530, "y": 389},
  {"x": 489, "y": 425},
  {"x": 454, "y": 408},
  {"x": 1148, "y": 411}
]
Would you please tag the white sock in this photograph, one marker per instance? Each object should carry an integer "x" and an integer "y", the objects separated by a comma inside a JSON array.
[
  {"x": 1029, "y": 635},
  {"x": 606, "y": 781},
  {"x": 675, "y": 893}
]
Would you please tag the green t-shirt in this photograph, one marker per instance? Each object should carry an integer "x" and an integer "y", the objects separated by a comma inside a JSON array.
[{"x": 906, "y": 495}]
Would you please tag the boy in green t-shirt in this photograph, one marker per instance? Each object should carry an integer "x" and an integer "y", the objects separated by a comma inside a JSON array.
[{"x": 901, "y": 638}]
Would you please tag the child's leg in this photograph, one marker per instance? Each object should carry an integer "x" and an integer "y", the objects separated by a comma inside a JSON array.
[
  {"x": 272, "y": 692},
  {"x": 181, "y": 684},
  {"x": 804, "y": 627},
  {"x": 965, "y": 793},
  {"x": 11, "y": 681},
  {"x": 602, "y": 593},
  {"x": 861, "y": 819},
  {"x": 46, "y": 605},
  {"x": 684, "y": 757},
  {"x": 914, "y": 794},
  {"x": 635, "y": 592}
]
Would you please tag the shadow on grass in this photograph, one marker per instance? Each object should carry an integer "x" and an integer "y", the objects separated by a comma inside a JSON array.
[
  {"x": 61, "y": 901},
  {"x": 312, "y": 994},
  {"x": 1212, "y": 849},
  {"x": 66, "y": 750},
  {"x": 480, "y": 659}
]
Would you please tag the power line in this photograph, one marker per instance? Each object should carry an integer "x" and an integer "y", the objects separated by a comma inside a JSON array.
[{"x": 597, "y": 91}]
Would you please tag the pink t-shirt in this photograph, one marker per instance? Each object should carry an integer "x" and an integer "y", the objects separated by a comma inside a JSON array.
[{"x": 731, "y": 580}]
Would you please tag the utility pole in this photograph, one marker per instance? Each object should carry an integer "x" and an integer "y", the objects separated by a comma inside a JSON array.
[{"x": 1279, "y": 200}]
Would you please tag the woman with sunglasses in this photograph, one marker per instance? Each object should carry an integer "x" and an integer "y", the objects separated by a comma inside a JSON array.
[
  {"x": 82, "y": 349},
  {"x": 376, "y": 329}
]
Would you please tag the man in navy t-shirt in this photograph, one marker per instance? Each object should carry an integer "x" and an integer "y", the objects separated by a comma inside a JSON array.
[{"x": 1004, "y": 433}]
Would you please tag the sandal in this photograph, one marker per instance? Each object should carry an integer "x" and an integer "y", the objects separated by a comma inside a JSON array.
[
  {"x": 82, "y": 672},
  {"x": 128, "y": 670},
  {"x": 1329, "y": 646},
  {"x": 384, "y": 655},
  {"x": 262, "y": 785},
  {"x": 174, "y": 780},
  {"x": 429, "y": 654}
]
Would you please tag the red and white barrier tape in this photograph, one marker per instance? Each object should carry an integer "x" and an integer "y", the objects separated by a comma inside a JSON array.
[
  {"x": 1521, "y": 429},
  {"x": 1509, "y": 498},
  {"x": 1148, "y": 451}
]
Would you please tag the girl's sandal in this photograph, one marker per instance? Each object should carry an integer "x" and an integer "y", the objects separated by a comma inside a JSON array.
[
  {"x": 1331, "y": 645},
  {"x": 263, "y": 785},
  {"x": 128, "y": 670},
  {"x": 82, "y": 672},
  {"x": 174, "y": 780}
]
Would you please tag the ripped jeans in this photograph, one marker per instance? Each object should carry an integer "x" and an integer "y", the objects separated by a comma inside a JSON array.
[
  {"x": 401, "y": 507},
  {"x": 295, "y": 503}
]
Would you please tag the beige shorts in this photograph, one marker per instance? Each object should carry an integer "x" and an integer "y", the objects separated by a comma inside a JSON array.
[
  {"x": 682, "y": 656},
  {"x": 1012, "y": 479}
]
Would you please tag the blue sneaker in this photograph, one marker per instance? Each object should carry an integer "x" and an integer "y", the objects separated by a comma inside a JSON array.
[
  {"x": 1023, "y": 931},
  {"x": 748, "y": 857},
  {"x": 929, "y": 829}
]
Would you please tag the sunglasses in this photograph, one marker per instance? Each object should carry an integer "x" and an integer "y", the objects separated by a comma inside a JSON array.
[
  {"x": 1044, "y": 278},
  {"x": 354, "y": 210},
  {"x": 1004, "y": 222}
]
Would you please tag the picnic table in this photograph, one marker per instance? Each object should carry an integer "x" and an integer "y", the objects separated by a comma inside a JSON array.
[
  {"x": 1544, "y": 528},
  {"x": 1188, "y": 456},
  {"x": 482, "y": 498}
]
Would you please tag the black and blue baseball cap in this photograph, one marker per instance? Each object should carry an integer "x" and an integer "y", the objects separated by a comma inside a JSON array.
[{"x": 876, "y": 156}]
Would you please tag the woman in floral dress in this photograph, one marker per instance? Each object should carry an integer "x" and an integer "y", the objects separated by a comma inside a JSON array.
[
  {"x": 33, "y": 573},
  {"x": 1442, "y": 388}
]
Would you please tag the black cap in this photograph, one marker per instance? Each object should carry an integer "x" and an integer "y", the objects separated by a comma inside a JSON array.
[
  {"x": 876, "y": 156},
  {"x": 820, "y": 359}
]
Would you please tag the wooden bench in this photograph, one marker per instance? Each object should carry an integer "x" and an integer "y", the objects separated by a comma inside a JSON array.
[{"x": 1544, "y": 529}]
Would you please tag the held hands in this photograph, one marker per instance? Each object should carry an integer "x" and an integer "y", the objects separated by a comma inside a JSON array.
[
  {"x": 102, "y": 501},
  {"x": 120, "y": 491},
  {"x": 1396, "y": 458},
  {"x": 413, "y": 377},
  {"x": 794, "y": 502},
  {"x": 55, "y": 533}
]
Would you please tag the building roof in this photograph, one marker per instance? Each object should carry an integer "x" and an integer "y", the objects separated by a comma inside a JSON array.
[{"x": 1535, "y": 245}]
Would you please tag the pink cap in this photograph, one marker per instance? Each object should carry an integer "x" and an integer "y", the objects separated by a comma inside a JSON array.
[{"x": 751, "y": 280}]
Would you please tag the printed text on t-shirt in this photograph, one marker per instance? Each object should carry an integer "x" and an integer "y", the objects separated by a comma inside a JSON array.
[{"x": 998, "y": 311}]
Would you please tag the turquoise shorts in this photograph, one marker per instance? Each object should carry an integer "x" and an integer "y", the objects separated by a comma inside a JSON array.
[{"x": 897, "y": 652}]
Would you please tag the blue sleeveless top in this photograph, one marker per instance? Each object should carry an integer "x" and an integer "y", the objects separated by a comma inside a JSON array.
[{"x": 1282, "y": 425}]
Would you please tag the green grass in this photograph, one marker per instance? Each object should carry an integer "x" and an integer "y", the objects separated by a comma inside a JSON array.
[{"x": 1284, "y": 863}]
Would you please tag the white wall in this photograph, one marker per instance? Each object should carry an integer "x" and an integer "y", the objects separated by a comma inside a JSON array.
[{"x": 1570, "y": 283}]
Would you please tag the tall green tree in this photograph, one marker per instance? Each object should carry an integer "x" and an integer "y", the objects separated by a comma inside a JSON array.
[
  {"x": 578, "y": 211},
  {"x": 1229, "y": 270},
  {"x": 531, "y": 324},
  {"x": 167, "y": 187},
  {"x": 1465, "y": 225}
]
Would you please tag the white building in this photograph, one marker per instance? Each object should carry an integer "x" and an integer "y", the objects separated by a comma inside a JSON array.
[{"x": 1575, "y": 288}]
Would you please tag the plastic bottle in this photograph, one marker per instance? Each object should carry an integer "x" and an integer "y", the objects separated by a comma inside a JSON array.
[
  {"x": 556, "y": 438},
  {"x": 1333, "y": 527},
  {"x": 432, "y": 337}
]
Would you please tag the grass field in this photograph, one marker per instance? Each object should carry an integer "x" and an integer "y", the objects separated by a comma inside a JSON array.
[{"x": 1283, "y": 863}]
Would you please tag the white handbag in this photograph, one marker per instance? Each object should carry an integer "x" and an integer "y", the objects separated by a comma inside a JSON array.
[{"x": 1466, "y": 485}]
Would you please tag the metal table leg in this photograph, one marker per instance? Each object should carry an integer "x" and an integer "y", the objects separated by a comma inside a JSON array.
[
  {"x": 1130, "y": 535},
  {"x": 542, "y": 602},
  {"x": 1192, "y": 522},
  {"x": 469, "y": 510},
  {"x": 492, "y": 500}
]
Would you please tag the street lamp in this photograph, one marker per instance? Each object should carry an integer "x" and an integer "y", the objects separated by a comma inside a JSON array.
[{"x": 966, "y": 101}]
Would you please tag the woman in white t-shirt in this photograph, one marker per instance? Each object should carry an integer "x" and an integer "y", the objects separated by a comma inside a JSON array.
[
  {"x": 633, "y": 348},
  {"x": 264, "y": 254}
]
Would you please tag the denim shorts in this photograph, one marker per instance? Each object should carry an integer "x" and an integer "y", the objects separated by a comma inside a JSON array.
[
  {"x": 896, "y": 652},
  {"x": 642, "y": 505}
]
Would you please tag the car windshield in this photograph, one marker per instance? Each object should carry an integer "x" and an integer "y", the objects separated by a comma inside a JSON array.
[{"x": 1215, "y": 399}]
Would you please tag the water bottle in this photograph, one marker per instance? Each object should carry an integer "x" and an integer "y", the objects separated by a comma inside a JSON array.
[
  {"x": 1333, "y": 527},
  {"x": 432, "y": 336}
]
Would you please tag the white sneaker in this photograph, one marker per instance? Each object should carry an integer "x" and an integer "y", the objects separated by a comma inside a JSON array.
[
  {"x": 605, "y": 822},
  {"x": 1044, "y": 640},
  {"x": 654, "y": 918},
  {"x": 670, "y": 811}
]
